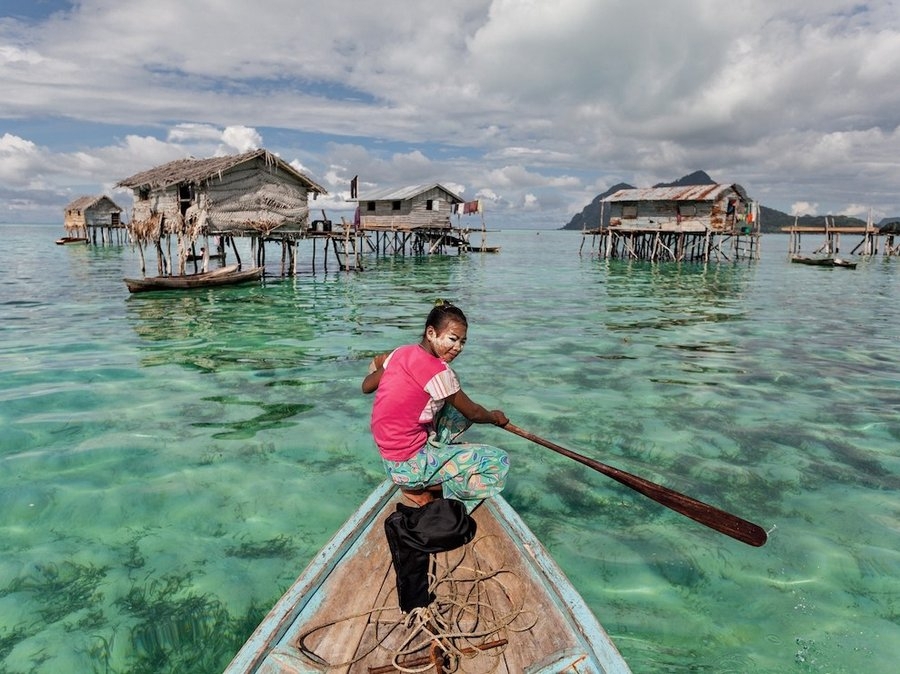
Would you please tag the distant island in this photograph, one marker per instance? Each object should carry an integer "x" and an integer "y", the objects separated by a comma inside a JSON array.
[{"x": 770, "y": 219}]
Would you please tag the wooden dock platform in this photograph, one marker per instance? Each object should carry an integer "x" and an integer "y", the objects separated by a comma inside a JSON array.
[
  {"x": 867, "y": 242},
  {"x": 349, "y": 244}
]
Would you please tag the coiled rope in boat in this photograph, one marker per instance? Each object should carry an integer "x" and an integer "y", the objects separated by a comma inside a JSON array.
[{"x": 476, "y": 608}]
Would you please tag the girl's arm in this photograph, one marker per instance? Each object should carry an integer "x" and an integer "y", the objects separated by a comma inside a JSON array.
[
  {"x": 475, "y": 412},
  {"x": 376, "y": 369}
]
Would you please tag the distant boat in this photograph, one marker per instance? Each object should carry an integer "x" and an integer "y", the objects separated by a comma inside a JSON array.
[
  {"x": 66, "y": 240},
  {"x": 815, "y": 261},
  {"x": 225, "y": 276},
  {"x": 823, "y": 261},
  {"x": 502, "y": 605}
]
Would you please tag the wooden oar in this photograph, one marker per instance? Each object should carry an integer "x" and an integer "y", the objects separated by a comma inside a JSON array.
[{"x": 714, "y": 518}]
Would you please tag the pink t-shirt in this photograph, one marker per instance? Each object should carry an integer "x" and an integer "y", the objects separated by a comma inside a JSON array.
[{"x": 411, "y": 392}]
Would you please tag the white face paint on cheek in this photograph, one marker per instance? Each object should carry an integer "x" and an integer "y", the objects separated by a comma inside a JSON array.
[
  {"x": 444, "y": 346},
  {"x": 448, "y": 343},
  {"x": 441, "y": 346}
]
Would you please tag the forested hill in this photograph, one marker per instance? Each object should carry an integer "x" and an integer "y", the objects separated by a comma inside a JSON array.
[
  {"x": 770, "y": 219},
  {"x": 590, "y": 214}
]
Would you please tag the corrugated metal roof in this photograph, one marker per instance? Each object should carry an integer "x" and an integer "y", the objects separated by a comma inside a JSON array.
[
  {"x": 404, "y": 193},
  {"x": 680, "y": 193}
]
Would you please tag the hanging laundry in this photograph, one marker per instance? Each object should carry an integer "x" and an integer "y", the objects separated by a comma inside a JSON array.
[{"x": 472, "y": 207}]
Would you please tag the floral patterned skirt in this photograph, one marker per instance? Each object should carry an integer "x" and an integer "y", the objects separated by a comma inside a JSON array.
[{"x": 465, "y": 471}]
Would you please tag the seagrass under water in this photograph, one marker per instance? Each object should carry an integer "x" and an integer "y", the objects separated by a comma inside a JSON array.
[{"x": 168, "y": 465}]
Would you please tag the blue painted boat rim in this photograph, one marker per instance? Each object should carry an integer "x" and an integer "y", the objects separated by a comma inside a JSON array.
[{"x": 292, "y": 603}]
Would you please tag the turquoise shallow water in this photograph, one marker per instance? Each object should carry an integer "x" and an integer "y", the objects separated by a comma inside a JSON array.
[{"x": 169, "y": 464}]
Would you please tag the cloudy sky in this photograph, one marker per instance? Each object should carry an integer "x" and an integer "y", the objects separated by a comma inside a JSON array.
[{"x": 534, "y": 106}]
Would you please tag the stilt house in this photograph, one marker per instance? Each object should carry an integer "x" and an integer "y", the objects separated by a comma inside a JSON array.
[
  {"x": 89, "y": 212},
  {"x": 247, "y": 194},
  {"x": 694, "y": 208},
  {"x": 253, "y": 194},
  {"x": 680, "y": 223},
  {"x": 407, "y": 208}
]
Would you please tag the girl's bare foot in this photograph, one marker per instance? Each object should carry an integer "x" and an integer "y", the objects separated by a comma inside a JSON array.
[{"x": 422, "y": 497}]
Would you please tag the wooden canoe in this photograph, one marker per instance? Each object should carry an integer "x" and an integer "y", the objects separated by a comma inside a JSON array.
[
  {"x": 824, "y": 261},
  {"x": 814, "y": 261},
  {"x": 67, "y": 240},
  {"x": 223, "y": 276},
  {"x": 503, "y": 590}
]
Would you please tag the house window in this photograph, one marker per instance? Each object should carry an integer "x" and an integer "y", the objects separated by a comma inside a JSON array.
[
  {"x": 144, "y": 193},
  {"x": 629, "y": 212},
  {"x": 429, "y": 205},
  {"x": 370, "y": 205},
  {"x": 689, "y": 210},
  {"x": 395, "y": 205}
]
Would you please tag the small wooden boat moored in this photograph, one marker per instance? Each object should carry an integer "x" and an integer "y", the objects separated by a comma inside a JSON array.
[
  {"x": 223, "y": 276},
  {"x": 823, "y": 261},
  {"x": 502, "y": 605},
  {"x": 814, "y": 261},
  {"x": 67, "y": 240}
]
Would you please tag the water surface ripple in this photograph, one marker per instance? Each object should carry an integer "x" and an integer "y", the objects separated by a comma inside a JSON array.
[{"x": 170, "y": 463}]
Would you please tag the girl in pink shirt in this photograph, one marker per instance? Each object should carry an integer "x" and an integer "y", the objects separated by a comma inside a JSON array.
[{"x": 420, "y": 410}]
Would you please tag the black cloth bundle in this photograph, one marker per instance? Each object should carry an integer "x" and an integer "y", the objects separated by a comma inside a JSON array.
[{"x": 413, "y": 534}]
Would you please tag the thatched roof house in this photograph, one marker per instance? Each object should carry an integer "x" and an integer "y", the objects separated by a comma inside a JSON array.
[
  {"x": 683, "y": 208},
  {"x": 252, "y": 193},
  {"x": 97, "y": 211},
  {"x": 412, "y": 207}
]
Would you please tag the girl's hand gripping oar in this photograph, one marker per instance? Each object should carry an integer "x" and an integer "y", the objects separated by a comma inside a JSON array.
[{"x": 721, "y": 521}]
